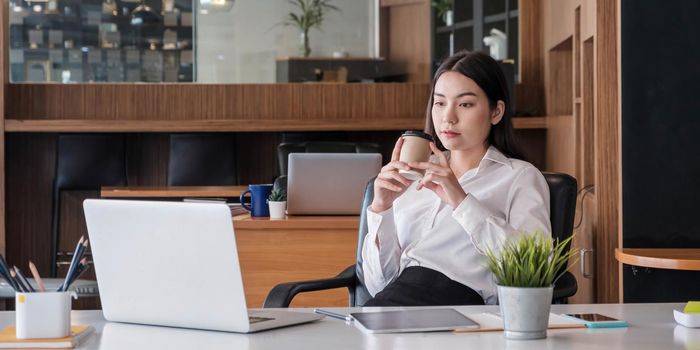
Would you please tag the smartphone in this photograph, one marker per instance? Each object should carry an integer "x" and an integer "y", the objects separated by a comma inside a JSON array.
[{"x": 598, "y": 320}]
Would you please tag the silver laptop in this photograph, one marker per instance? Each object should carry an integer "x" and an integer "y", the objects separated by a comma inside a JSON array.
[
  {"x": 329, "y": 183},
  {"x": 173, "y": 264}
]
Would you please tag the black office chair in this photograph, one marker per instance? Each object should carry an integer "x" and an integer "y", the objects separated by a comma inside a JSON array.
[
  {"x": 202, "y": 160},
  {"x": 85, "y": 162},
  {"x": 562, "y": 192}
]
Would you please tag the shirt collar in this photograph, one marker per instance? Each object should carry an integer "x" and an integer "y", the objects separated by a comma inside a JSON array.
[{"x": 494, "y": 155}]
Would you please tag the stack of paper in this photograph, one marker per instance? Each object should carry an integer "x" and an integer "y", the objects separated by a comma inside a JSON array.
[{"x": 78, "y": 334}]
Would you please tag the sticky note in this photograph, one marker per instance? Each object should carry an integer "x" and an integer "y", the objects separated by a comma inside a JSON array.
[
  {"x": 692, "y": 307},
  {"x": 20, "y": 299}
]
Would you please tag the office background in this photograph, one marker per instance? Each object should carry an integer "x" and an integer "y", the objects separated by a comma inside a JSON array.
[{"x": 583, "y": 102}]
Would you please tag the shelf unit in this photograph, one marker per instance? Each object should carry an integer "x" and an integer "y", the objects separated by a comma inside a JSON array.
[{"x": 101, "y": 40}]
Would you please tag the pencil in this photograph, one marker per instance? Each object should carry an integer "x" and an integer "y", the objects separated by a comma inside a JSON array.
[
  {"x": 84, "y": 266},
  {"x": 19, "y": 285},
  {"x": 73, "y": 263},
  {"x": 5, "y": 271},
  {"x": 37, "y": 277},
  {"x": 24, "y": 280}
]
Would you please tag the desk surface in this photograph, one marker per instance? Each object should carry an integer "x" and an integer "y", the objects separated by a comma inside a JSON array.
[
  {"x": 651, "y": 327},
  {"x": 292, "y": 222},
  {"x": 172, "y": 191},
  {"x": 660, "y": 258}
]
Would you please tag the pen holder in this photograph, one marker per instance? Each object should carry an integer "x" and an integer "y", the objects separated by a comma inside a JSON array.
[{"x": 43, "y": 314}]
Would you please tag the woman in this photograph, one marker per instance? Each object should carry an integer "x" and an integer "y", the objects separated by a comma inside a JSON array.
[{"x": 427, "y": 239}]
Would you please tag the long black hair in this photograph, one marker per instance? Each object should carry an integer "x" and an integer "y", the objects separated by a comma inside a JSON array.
[{"x": 486, "y": 73}]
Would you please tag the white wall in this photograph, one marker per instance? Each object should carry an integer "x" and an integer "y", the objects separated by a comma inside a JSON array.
[{"x": 240, "y": 46}]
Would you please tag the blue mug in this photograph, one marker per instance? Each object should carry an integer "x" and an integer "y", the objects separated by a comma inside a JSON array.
[{"x": 258, "y": 200}]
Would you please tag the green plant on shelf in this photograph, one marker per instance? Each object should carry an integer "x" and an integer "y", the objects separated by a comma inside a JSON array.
[
  {"x": 277, "y": 195},
  {"x": 442, "y": 7},
  {"x": 311, "y": 15},
  {"x": 533, "y": 260}
]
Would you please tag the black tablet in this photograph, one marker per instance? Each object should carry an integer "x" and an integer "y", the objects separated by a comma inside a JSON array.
[{"x": 422, "y": 320}]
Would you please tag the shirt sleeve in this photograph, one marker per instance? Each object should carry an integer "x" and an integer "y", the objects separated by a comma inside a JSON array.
[
  {"x": 381, "y": 251},
  {"x": 527, "y": 211}
]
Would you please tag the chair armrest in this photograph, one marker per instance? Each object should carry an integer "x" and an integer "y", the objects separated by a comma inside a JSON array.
[
  {"x": 565, "y": 287},
  {"x": 282, "y": 294}
]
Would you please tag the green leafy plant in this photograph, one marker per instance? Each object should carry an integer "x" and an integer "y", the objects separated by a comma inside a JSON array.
[
  {"x": 311, "y": 14},
  {"x": 277, "y": 195},
  {"x": 533, "y": 260},
  {"x": 441, "y": 7}
]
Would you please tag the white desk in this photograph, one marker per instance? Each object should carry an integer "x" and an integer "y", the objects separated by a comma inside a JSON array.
[{"x": 651, "y": 327}]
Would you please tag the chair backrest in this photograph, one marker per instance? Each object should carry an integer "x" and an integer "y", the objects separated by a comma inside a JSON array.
[
  {"x": 90, "y": 161},
  {"x": 284, "y": 149},
  {"x": 202, "y": 160},
  {"x": 562, "y": 195}
]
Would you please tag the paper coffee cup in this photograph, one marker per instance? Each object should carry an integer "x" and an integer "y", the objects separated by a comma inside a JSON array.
[{"x": 415, "y": 148}]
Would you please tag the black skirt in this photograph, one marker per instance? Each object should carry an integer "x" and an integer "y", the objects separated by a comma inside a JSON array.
[{"x": 420, "y": 286}]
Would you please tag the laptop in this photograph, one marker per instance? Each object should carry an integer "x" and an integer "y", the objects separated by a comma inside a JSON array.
[
  {"x": 173, "y": 264},
  {"x": 329, "y": 183}
]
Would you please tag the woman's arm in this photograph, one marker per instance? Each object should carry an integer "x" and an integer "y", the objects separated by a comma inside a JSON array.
[
  {"x": 527, "y": 211},
  {"x": 381, "y": 252}
]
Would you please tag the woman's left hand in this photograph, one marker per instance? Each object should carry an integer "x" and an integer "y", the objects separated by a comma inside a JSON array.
[{"x": 440, "y": 179}]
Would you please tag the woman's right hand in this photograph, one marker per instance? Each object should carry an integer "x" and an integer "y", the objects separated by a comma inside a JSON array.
[{"x": 389, "y": 184}]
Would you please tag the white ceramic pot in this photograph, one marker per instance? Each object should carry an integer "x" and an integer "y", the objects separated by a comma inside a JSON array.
[
  {"x": 277, "y": 209},
  {"x": 525, "y": 311}
]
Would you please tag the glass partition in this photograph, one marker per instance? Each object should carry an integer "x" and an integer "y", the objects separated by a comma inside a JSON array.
[{"x": 204, "y": 41}]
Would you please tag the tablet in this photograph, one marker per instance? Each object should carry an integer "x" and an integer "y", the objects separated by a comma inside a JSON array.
[{"x": 424, "y": 320}]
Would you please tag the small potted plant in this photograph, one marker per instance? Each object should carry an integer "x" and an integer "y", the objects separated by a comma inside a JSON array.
[
  {"x": 443, "y": 9},
  {"x": 525, "y": 271},
  {"x": 278, "y": 203}
]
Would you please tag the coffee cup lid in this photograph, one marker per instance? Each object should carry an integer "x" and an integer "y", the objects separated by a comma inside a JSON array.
[{"x": 418, "y": 133}]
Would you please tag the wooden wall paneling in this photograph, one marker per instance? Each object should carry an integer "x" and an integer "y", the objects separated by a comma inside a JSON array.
[
  {"x": 587, "y": 132},
  {"x": 147, "y": 159},
  {"x": 607, "y": 149},
  {"x": 409, "y": 37},
  {"x": 310, "y": 104},
  {"x": 533, "y": 143},
  {"x": 29, "y": 186},
  {"x": 530, "y": 90},
  {"x": 561, "y": 125}
]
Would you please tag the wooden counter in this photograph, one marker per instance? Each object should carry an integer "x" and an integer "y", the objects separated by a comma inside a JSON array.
[
  {"x": 172, "y": 191},
  {"x": 295, "y": 249},
  {"x": 661, "y": 258}
]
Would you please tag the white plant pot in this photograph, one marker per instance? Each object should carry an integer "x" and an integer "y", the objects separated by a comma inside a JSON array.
[
  {"x": 525, "y": 311},
  {"x": 277, "y": 209}
]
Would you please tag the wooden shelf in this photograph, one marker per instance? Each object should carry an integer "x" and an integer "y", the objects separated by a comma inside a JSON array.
[
  {"x": 661, "y": 258},
  {"x": 227, "y": 125},
  {"x": 530, "y": 122},
  {"x": 172, "y": 191}
]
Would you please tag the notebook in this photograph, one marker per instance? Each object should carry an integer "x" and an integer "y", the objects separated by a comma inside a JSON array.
[
  {"x": 491, "y": 322},
  {"x": 329, "y": 183},
  {"x": 173, "y": 264},
  {"x": 78, "y": 334}
]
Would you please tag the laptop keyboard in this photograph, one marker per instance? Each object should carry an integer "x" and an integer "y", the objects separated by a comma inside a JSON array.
[{"x": 255, "y": 319}]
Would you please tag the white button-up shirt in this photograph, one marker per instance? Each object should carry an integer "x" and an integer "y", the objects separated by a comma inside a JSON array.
[{"x": 505, "y": 197}]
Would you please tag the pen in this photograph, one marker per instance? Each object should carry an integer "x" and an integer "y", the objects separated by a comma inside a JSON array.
[
  {"x": 333, "y": 314},
  {"x": 37, "y": 277}
]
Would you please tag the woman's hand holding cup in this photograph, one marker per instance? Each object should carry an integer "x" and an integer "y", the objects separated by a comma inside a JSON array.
[{"x": 389, "y": 184}]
